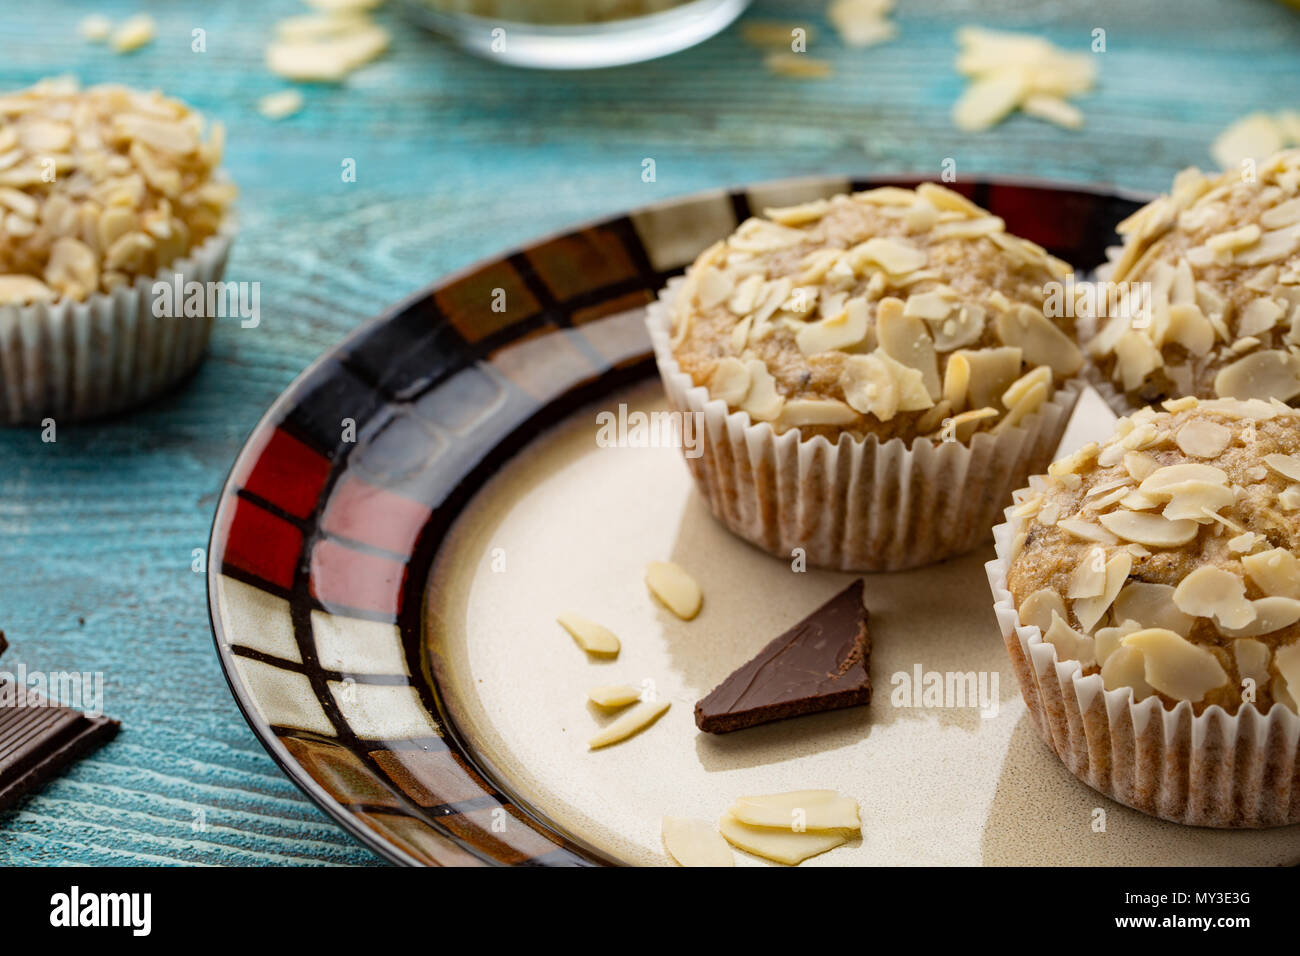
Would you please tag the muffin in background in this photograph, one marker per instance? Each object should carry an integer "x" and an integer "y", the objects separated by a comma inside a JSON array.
[
  {"x": 102, "y": 192},
  {"x": 876, "y": 373},
  {"x": 1148, "y": 591},
  {"x": 1217, "y": 263}
]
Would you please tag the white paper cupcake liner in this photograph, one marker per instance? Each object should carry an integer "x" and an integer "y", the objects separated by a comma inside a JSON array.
[
  {"x": 1214, "y": 769},
  {"x": 856, "y": 505},
  {"x": 72, "y": 361}
]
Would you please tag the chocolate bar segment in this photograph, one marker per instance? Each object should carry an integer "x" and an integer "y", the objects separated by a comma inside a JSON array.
[
  {"x": 819, "y": 664},
  {"x": 39, "y": 738}
]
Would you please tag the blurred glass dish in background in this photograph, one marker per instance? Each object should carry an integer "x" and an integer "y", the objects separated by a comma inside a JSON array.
[{"x": 575, "y": 34}]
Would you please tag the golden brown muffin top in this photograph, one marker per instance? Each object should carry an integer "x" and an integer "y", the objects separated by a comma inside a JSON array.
[
  {"x": 100, "y": 186},
  {"x": 889, "y": 312},
  {"x": 1166, "y": 559},
  {"x": 1218, "y": 261}
]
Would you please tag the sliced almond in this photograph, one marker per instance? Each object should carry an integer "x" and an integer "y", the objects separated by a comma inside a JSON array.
[
  {"x": 987, "y": 101},
  {"x": 1271, "y": 614},
  {"x": 696, "y": 843},
  {"x": 763, "y": 402},
  {"x": 816, "y": 411},
  {"x": 780, "y": 846},
  {"x": 1197, "y": 500},
  {"x": 895, "y": 256},
  {"x": 1162, "y": 483},
  {"x": 1037, "y": 609},
  {"x": 675, "y": 588},
  {"x": 1087, "y": 531},
  {"x": 1089, "y": 577},
  {"x": 1288, "y": 466},
  {"x": 959, "y": 329},
  {"x": 1089, "y": 610},
  {"x": 614, "y": 695},
  {"x": 1266, "y": 374},
  {"x": 1276, "y": 572},
  {"x": 591, "y": 637},
  {"x": 1203, "y": 439},
  {"x": 630, "y": 722},
  {"x": 1214, "y": 592},
  {"x": 799, "y": 810},
  {"x": 1125, "y": 667},
  {"x": 1155, "y": 531},
  {"x": 992, "y": 372},
  {"x": 1152, "y": 605},
  {"x": 1252, "y": 657},
  {"x": 730, "y": 381},
  {"x": 1070, "y": 644},
  {"x": 837, "y": 332},
  {"x": 1175, "y": 666}
]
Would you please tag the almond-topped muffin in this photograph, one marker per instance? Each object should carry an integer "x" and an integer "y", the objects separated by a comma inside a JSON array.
[
  {"x": 1166, "y": 559},
  {"x": 871, "y": 375},
  {"x": 1205, "y": 294},
  {"x": 886, "y": 313},
  {"x": 100, "y": 186},
  {"x": 107, "y": 196}
]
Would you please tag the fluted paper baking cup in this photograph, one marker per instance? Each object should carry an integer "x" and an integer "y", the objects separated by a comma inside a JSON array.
[
  {"x": 1214, "y": 769},
  {"x": 856, "y": 505},
  {"x": 77, "y": 360}
]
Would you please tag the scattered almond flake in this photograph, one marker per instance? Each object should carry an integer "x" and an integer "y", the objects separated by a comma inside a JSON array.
[
  {"x": 326, "y": 60},
  {"x": 614, "y": 695},
  {"x": 675, "y": 588},
  {"x": 133, "y": 33},
  {"x": 630, "y": 722},
  {"x": 1010, "y": 71},
  {"x": 1054, "y": 109},
  {"x": 799, "y": 810},
  {"x": 696, "y": 843},
  {"x": 591, "y": 637},
  {"x": 1256, "y": 136},
  {"x": 990, "y": 99},
  {"x": 280, "y": 105},
  {"x": 769, "y": 33},
  {"x": 95, "y": 28},
  {"x": 781, "y": 846},
  {"x": 797, "y": 65},
  {"x": 862, "y": 23}
]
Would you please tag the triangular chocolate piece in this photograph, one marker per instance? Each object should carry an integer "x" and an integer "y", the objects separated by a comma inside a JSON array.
[{"x": 819, "y": 664}]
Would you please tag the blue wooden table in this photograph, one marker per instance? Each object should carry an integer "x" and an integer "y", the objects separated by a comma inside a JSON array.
[{"x": 457, "y": 159}]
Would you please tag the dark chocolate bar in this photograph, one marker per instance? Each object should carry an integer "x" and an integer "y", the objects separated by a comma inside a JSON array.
[
  {"x": 39, "y": 738},
  {"x": 819, "y": 664}
]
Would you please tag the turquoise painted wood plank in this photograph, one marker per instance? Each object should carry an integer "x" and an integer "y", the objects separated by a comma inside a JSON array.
[{"x": 458, "y": 159}]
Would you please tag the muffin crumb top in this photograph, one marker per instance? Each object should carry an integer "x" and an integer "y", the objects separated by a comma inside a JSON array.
[
  {"x": 1204, "y": 298},
  {"x": 893, "y": 312},
  {"x": 1166, "y": 558},
  {"x": 100, "y": 186}
]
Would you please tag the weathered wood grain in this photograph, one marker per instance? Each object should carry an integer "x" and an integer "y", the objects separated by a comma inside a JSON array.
[{"x": 457, "y": 159}]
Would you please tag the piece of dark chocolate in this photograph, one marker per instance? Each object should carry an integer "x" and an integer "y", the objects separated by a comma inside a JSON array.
[
  {"x": 39, "y": 738},
  {"x": 819, "y": 664}
]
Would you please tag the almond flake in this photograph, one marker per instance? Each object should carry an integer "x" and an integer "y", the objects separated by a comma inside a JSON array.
[
  {"x": 1089, "y": 610},
  {"x": 696, "y": 843},
  {"x": 1203, "y": 439},
  {"x": 1175, "y": 666},
  {"x": 816, "y": 411},
  {"x": 730, "y": 381},
  {"x": 591, "y": 637},
  {"x": 675, "y": 588},
  {"x": 1276, "y": 572},
  {"x": 631, "y": 722},
  {"x": 1155, "y": 531},
  {"x": 1038, "y": 609},
  {"x": 614, "y": 695},
  {"x": 1288, "y": 466},
  {"x": 1152, "y": 605},
  {"x": 1213, "y": 592}
]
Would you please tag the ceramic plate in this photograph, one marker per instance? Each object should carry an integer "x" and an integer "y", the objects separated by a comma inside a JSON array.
[{"x": 401, "y": 528}]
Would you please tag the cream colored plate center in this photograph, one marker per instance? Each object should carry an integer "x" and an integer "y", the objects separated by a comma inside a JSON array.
[{"x": 568, "y": 525}]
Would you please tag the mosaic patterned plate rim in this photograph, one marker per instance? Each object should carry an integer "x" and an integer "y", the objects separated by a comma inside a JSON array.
[{"x": 321, "y": 544}]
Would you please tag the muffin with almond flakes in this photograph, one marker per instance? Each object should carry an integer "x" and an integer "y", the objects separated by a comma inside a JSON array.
[
  {"x": 876, "y": 371},
  {"x": 1149, "y": 593},
  {"x": 103, "y": 192},
  {"x": 1204, "y": 297}
]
